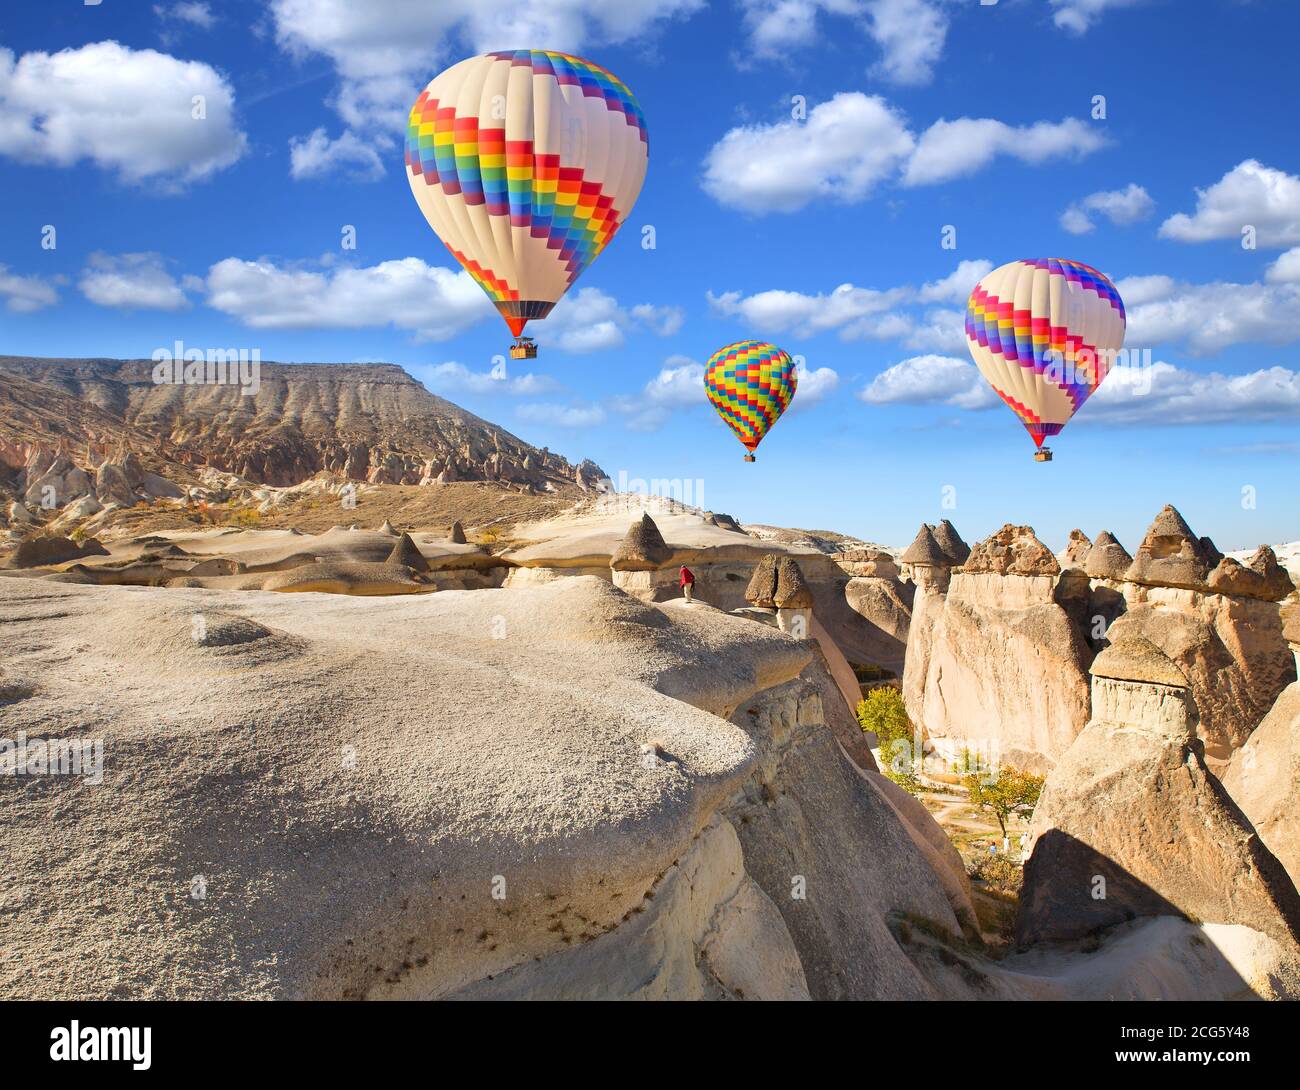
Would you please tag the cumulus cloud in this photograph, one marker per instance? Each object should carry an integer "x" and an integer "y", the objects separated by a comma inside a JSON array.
[
  {"x": 1165, "y": 394},
  {"x": 910, "y": 33},
  {"x": 125, "y": 110},
  {"x": 1207, "y": 318},
  {"x": 26, "y": 294},
  {"x": 952, "y": 149},
  {"x": 1250, "y": 194},
  {"x": 191, "y": 12},
  {"x": 1121, "y": 206},
  {"x": 1078, "y": 15},
  {"x": 816, "y": 384},
  {"x": 1156, "y": 395},
  {"x": 384, "y": 51},
  {"x": 434, "y": 303},
  {"x": 563, "y": 416},
  {"x": 864, "y": 313},
  {"x": 1136, "y": 290},
  {"x": 930, "y": 380},
  {"x": 317, "y": 156},
  {"x": 678, "y": 385},
  {"x": 131, "y": 282},
  {"x": 591, "y": 321},
  {"x": 841, "y": 152},
  {"x": 456, "y": 378},
  {"x": 1286, "y": 269},
  {"x": 852, "y": 144}
]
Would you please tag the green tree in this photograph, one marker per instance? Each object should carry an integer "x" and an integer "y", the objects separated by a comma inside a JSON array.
[
  {"x": 883, "y": 714},
  {"x": 1005, "y": 792}
]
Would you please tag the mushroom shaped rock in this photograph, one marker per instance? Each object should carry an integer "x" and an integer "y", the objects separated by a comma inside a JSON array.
[
  {"x": 1013, "y": 550},
  {"x": 791, "y": 588},
  {"x": 761, "y": 591},
  {"x": 408, "y": 553},
  {"x": 642, "y": 549},
  {"x": 1107, "y": 559},
  {"x": 926, "y": 551},
  {"x": 1171, "y": 555},
  {"x": 954, "y": 548}
]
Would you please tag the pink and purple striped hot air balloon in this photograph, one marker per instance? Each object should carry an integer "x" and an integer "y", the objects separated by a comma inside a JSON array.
[{"x": 1044, "y": 333}]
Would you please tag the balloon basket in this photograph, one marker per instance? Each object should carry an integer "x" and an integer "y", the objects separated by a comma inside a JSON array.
[
  {"x": 1043, "y": 455},
  {"x": 749, "y": 457},
  {"x": 525, "y": 348}
]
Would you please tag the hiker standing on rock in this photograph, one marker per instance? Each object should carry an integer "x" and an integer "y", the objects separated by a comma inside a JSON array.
[{"x": 688, "y": 583}]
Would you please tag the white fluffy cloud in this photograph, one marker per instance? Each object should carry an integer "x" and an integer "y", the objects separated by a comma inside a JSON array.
[
  {"x": 852, "y": 144},
  {"x": 318, "y": 157},
  {"x": 1121, "y": 206},
  {"x": 1164, "y": 394},
  {"x": 1286, "y": 269},
  {"x": 952, "y": 149},
  {"x": 1207, "y": 318},
  {"x": 433, "y": 302},
  {"x": 456, "y": 378},
  {"x": 930, "y": 380},
  {"x": 384, "y": 51},
  {"x": 1078, "y": 15},
  {"x": 1250, "y": 194},
  {"x": 126, "y": 110},
  {"x": 591, "y": 321},
  {"x": 910, "y": 33},
  {"x": 844, "y": 149},
  {"x": 563, "y": 416},
  {"x": 131, "y": 282},
  {"x": 194, "y": 13},
  {"x": 1160, "y": 394},
  {"x": 816, "y": 384},
  {"x": 864, "y": 313},
  {"x": 26, "y": 294}
]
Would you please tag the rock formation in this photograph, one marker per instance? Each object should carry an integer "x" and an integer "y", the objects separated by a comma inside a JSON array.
[
  {"x": 643, "y": 549},
  {"x": 794, "y": 601},
  {"x": 457, "y": 534},
  {"x": 930, "y": 569},
  {"x": 954, "y": 548},
  {"x": 1107, "y": 559},
  {"x": 761, "y": 591},
  {"x": 1263, "y": 776},
  {"x": 406, "y": 553},
  {"x": 996, "y": 662},
  {"x": 1171, "y": 555},
  {"x": 1075, "y": 553},
  {"x": 1132, "y": 824}
]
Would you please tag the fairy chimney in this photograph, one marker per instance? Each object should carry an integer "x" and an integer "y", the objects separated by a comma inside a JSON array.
[
  {"x": 794, "y": 601},
  {"x": 642, "y": 549}
]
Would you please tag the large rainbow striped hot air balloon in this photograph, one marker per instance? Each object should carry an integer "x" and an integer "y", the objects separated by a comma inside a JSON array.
[
  {"x": 750, "y": 384},
  {"x": 526, "y": 163},
  {"x": 1044, "y": 333}
]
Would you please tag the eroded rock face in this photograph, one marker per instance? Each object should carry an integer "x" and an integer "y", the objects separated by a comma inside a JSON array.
[
  {"x": 1263, "y": 577},
  {"x": 1107, "y": 559},
  {"x": 643, "y": 549},
  {"x": 1231, "y": 650},
  {"x": 1171, "y": 555},
  {"x": 1005, "y": 667},
  {"x": 954, "y": 548},
  {"x": 1013, "y": 550},
  {"x": 1075, "y": 553},
  {"x": 1132, "y": 824}
]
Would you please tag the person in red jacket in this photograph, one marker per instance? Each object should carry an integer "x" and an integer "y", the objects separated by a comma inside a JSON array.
[{"x": 688, "y": 583}]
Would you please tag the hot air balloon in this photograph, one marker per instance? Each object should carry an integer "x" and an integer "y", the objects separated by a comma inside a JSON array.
[
  {"x": 526, "y": 163},
  {"x": 750, "y": 384},
  {"x": 1044, "y": 333}
]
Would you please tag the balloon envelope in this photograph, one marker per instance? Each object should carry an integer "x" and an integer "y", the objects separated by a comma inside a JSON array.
[
  {"x": 1043, "y": 332},
  {"x": 525, "y": 163},
  {"x": 750, "y": 384}
]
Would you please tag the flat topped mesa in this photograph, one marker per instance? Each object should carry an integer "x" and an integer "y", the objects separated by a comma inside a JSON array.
[
  {"x": 761, "y": 591},
  {"x": 642, "y": 549},
  {"x": 457, "y": 534},
  {"x": 925, "y": 551},
  {"x": 1135, "y": 658},
  {"x": 954, "y": 548},
  {"x": 1171, "y": 555},
  {"x": 791, "y": 588},
  {"x": 1013, "y": 550},
  {"x": 1107, "y": 559},
  {"x": 406, "y": 552}
]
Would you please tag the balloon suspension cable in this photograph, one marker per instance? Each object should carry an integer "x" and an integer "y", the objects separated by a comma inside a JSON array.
[{"x": 1043, "y": 454}]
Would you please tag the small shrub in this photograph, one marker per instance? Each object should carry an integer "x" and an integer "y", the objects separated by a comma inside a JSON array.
[{"x": 881, "y": 712}]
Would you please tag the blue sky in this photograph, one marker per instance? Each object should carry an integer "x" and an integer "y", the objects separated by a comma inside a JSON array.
[{"x": 822, "y": 234}]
